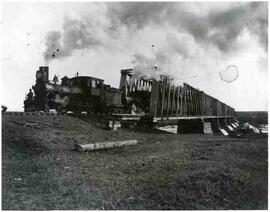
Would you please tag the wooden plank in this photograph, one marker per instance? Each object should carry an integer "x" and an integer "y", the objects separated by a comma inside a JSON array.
[
  {"x": 126, "y": 90},
  {"x": 201, "y": 103},
  {"x": 173, "y": 101},
  {"x": 104, "y": 145},
  {"x": 187, "y": 102},
  {"x": 163, "y": 97},
  {"x": 131, "y": 86},
  {"x": 204, "y": 103},
  {"x": 136, "y": 85},
  {"x": 154, "y": 98},
  {"x": 159, "y": 99},
  {"x": 123, "y": 80},
  {"x": 168, "y": 100},
  {"x": 177, "y": 100},
  {"x": 196, "y": 102},
  {"x": 183, "y": 102},
  {"x": 192, "y": 101}
]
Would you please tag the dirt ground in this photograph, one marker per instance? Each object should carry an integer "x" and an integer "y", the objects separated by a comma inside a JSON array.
[{"x": 42, "y": 170}]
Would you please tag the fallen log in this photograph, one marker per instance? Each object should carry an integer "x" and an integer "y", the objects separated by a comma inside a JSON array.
[{"x": 104, "y": 145}]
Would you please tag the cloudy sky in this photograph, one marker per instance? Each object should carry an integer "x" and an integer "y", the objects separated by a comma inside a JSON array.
[{"x": 196, "y": 43}]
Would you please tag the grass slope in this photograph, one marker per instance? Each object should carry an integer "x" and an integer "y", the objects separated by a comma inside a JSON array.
[{"x": 41, "y": 170}]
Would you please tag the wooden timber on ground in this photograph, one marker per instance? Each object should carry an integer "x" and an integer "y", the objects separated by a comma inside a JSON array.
[{"x": 104, "y": 145}]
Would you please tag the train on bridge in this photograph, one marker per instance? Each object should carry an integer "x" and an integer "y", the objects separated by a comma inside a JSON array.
[{"x": 157, "y": 101}]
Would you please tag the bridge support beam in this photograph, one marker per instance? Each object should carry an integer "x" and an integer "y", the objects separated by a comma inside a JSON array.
[
  {"x": 215, "y": 125},
  {"x": 223, "y": 124},
  {"x": 207, "y": 127}
]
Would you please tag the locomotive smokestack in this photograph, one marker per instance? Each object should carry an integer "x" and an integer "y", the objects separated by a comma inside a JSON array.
[
  {"x": 45, "y": 70},
  {"x": 43, "y": 73}
]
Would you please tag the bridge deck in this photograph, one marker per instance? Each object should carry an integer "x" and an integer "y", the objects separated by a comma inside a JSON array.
[{"x": 156, "y": 119}]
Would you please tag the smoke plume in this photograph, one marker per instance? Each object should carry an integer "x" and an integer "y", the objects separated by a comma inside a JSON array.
[{"x": 75, "y": 35}]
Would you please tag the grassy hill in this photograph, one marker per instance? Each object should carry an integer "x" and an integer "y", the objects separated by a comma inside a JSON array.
[{"x": 42, "y": 171}]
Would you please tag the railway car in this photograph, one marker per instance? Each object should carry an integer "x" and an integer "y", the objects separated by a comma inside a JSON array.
[{"x": 162, "y": 100}]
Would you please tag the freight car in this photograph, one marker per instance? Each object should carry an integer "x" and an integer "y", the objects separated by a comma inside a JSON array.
[
  {"x": 80, "y": 93},
  {"x": 164, "y": 101}
]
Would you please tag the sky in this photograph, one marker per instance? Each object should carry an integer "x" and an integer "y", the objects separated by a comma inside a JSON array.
[{"x": 218, "y": 47}]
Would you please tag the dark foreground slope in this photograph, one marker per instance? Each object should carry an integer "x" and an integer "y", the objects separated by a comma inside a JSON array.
[{"x": 41, "y": 169}]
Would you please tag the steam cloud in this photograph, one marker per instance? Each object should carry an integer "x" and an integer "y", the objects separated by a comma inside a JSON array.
[
  {"x": 196, "y": 29},
  {"x": 163, "y": 60},
  {"x": 75, "y": 35}
]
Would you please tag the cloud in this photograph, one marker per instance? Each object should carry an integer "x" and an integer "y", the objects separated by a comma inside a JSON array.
[
  {"x": 219, "y": 26},
  {"x": 258, "y": 21},
  {"x": 263, "y": 63}
]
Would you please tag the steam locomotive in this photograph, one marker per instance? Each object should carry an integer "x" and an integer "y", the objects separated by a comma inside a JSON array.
[{"x": 80, "y": 93}]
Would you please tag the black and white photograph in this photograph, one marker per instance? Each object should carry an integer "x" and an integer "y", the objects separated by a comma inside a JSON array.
[{"x": 134, "y": 105}]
